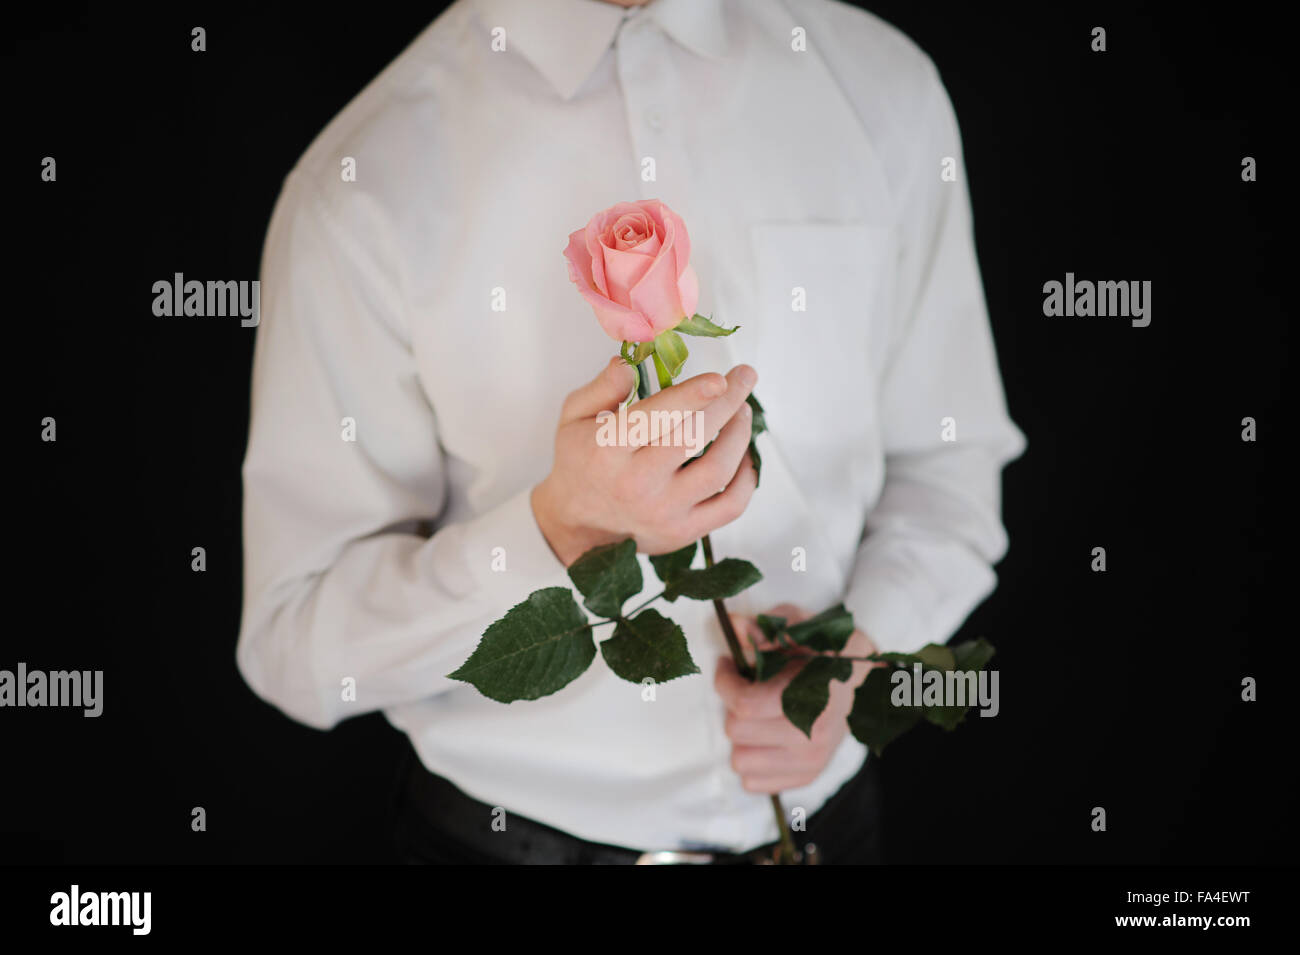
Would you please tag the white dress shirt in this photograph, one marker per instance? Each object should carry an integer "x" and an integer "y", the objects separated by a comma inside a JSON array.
[{"x": 369, "y": 562}]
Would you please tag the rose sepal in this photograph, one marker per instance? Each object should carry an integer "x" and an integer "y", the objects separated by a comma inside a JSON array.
[{"x": 702, "y": 327}]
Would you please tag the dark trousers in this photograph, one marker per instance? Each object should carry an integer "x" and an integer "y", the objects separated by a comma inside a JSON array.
[{"x": 437, "y": 824}]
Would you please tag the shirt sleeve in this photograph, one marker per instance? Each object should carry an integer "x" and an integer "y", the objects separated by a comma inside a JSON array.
[
  {"x": 344, "y": 480},
  {"x": 929, "y": 545}
]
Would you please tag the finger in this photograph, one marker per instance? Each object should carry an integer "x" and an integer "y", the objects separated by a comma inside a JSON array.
[
  {"x": 722, "y": 509},
  {"x": 775, "y": 783},
  {"x": 717, "y": 397},
  {"x": 710, "y": 474},
  {"x": 778, "y": 732},
  {"x": 605, "y": 392},
  {"x": 728, "y": 682},
  {"x": 754, "y": 701},
  {"x": 769, "y": 762},
  {"x": 792, "y": 613}
]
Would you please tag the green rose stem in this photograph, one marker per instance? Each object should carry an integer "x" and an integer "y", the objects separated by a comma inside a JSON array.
[{"x": 786, "y": 853}]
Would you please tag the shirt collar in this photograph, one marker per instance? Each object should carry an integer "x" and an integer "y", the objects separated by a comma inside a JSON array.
[{"x": 566, "y": 39}]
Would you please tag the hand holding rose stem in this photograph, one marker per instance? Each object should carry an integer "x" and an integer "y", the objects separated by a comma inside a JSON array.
[
  {"x": 600, "y": 505},
  {"x": 631, "y": 263}
]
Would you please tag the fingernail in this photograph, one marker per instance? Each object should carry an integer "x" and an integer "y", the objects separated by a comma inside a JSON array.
[{"x": 748, "y": 377}]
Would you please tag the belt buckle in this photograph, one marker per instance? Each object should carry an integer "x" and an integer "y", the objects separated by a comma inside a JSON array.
[{"x": 674, "y": 857}]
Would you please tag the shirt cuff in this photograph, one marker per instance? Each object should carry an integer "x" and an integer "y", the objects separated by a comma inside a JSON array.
[
  {"x": 894, "y": 604},
  {"x": 500, "y": 555},
  {"x": 887, "y": 613}
]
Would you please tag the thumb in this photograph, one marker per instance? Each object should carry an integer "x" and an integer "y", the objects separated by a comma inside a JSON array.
[{"x": 605, "y": 392}]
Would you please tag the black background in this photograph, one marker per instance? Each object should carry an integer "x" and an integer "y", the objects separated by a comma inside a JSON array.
[{"x": 1119, "y": 690}]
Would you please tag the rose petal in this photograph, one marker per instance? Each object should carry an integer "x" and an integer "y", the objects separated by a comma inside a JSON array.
[
  {"x": 678, "y": 237},
  {"x": 623, "y": 270},
  {"x": 688, "y": 286},
  {"x": 630, "y": 231},
  {"x": 620, "y": 323},
  {"x": 656, "y": 295},
  {"x": 579, "y": 259},
  {"x": 596, "y": 255}
]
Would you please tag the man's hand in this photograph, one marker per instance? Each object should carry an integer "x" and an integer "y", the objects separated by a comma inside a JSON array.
[
  {"x": 768, "y": 752},
  {"x": 598, "y": 495}
]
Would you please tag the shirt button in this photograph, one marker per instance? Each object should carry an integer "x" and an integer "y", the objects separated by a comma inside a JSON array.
[{"x": 654, "y": 118}]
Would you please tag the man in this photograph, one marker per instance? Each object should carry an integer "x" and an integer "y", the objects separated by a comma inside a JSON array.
[{"x": 420, "y": 420}]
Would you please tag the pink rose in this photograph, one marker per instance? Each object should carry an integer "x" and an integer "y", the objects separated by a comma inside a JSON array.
[{"x": 632, "y": 264}]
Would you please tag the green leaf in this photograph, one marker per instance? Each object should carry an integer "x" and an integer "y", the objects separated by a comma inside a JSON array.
[
  {"x": 758, "y": 424},
  {"x": 932, "y": 656},
  {"x": 634, "y": 356},
  {"x": 810, "y": 690},
  {"x": 874, "y": 720},
  {"x": 665, "y": 379},
  {"x": 945, "y": 717},
  {"x": 700, "y": 326},
  {"x": 973, "y": 654},
  {"x": 607, "y": 576},
  {"x": 828, "y": 631},
  {"x": 669, "y": 566},
  {"x": 771, "y": 626},
  {"x": 768, "y": 663},
  {"x": 648, "y": 645},
  {"x": 936, "y": 656},
  {"x": 726, "y": 578},
  {"x": 970, "y": 657},
  {"x": 537, "y": 648},
  {"x": 671, "y": 350},
  {"x": 771, "y": 662},
  {"x": 642, "y": 380}
]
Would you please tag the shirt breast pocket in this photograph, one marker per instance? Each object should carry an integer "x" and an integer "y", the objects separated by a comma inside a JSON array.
[{"x": 820, "y": 298}]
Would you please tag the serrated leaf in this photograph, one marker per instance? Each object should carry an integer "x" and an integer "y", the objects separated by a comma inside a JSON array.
[
  {"x": 700, "y": 326},
  {"x": 828, "y": 631},
  {"x": 768, "y": 663},
  {"x": 726, "y": 578},
  {"x": 540, "y": 646},
  {"x": 874, "y": 720},
  {"x": 607, "y": 576},
  {"x": 648, "y": 645},
  {"x": 668, "y": 566},
  {"x": 810, "y": 690}
]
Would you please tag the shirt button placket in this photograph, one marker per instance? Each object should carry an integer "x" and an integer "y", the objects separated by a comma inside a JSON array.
[{"x": 637, "y": 48}]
